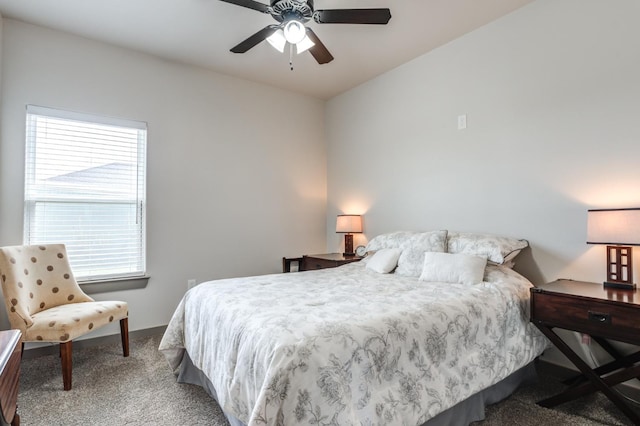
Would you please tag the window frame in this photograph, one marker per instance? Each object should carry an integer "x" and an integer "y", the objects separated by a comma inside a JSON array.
[{"x": 138, "y": 274}]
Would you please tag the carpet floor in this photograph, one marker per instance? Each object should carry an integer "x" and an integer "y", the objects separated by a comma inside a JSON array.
[{"x": 141, "y": 390}]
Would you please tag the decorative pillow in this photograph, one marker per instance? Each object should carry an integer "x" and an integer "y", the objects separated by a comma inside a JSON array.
[
  {"x": 453, "y": 268},
  {"x": 384, "y": 260},
  {"x": 390, "y": 240},
  {"x": 496, "y": 249},
  {"x": 412, "y": 258}
]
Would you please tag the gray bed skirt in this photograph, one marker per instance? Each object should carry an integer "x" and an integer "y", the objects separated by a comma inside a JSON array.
[{"x": 461, "y": 414}]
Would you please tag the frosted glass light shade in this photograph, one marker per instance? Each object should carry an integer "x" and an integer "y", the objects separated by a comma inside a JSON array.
[
  {"x": 304, "y": 45},
  {"x": 277, "y": 40}
]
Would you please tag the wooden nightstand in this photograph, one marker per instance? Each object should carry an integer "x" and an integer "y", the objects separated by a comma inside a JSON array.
[
  {"x": 603, "y": 313},
  {"x": 326, "y": 260},
  {"x": 318, "y": 261},
  {"x": 10, "y": 357}
]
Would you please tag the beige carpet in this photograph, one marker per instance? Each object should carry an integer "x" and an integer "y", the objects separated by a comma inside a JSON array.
[{"x": 141, "y": 390}]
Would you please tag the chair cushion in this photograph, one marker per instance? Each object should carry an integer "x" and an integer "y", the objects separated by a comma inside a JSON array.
[{"x": 66, "y": 322}]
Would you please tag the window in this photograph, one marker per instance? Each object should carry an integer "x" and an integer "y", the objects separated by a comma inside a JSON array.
[{"x": 85, "y": 187}]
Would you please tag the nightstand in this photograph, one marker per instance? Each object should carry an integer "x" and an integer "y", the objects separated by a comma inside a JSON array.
[
  {"x": 603, "y": 313},
  {"x": 318, "y": 261},
  {"x": 10, "y": 357},
  {"x": 326, "y": 260}
]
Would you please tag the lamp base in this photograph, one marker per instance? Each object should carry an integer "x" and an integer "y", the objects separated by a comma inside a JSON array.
[
  {"x": 619, "y": 284},
  {"x": 348, "y": 245},
  {"x": 348, "y": 254},
  {"x": 619, "y": 268}
]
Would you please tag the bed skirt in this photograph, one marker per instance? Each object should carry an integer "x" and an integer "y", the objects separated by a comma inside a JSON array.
[{"x": 461, "y": 414}]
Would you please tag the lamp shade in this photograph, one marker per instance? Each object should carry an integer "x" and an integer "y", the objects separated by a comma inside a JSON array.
[
  {"x": 304, "y": 45},
  {"x": 614, "y": 226},
  {"x": 277, "y": 40},
  {"x": 348, "y": 223}
]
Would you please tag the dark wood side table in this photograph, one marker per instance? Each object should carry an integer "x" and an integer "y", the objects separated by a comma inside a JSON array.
[
  {"x": 603, "y": 313},
  {"x": 10, "y": 357},
  {"x": 326, "y": 260},
  {"x": 311, "y": 262}
]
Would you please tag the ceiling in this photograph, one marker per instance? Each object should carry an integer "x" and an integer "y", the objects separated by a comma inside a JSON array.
[{"x": 201, "y": 32}]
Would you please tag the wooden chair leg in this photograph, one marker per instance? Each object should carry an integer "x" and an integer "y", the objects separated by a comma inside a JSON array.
[
  {"x": 65, "y": 355},
  {"x": 124, "y": 334}
]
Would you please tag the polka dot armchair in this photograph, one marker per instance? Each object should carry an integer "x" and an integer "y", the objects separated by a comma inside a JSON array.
[{"x": 46, "y": 304}]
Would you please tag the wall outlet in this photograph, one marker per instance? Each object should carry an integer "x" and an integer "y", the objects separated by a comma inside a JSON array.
[
  {"x": 191, "y": 284},
  {"x": 462, "y": 122}
]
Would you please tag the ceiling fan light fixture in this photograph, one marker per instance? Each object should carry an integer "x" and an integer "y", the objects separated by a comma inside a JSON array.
[
  {"x": 277, "y": 40},
  {"x": 304, "y": 45},
  {"x": 294, "y": 31}
]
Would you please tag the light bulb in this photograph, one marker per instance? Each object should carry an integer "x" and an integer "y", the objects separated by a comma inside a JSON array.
[{"x": 294, "y": 31}]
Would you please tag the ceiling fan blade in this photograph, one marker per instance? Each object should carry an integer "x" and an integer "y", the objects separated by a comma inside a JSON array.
[
  {"x": 318, "y": 50},
  {"x": 260, "y": 7},
  {"x": 352, "y": 16},
  {"x": 254, "y": 39}
]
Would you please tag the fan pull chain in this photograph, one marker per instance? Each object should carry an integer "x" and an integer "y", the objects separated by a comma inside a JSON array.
[{"x": 291, "y": 56}]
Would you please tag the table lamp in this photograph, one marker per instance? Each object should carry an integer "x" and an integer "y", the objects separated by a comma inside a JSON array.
[
  {"x": 618, "y": 229},
  {"x": 348, "y": 224}
]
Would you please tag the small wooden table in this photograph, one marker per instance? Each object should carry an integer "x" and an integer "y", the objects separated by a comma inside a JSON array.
[
  {"x": 326, "y": 260},
  {"x": 603, "y": 313},
  {"x": 310, "y": 262},
  {"x": 10, "y": 357}
]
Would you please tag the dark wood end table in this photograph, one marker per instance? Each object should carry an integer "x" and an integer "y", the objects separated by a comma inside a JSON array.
[
  {"x": 603, "y": 313},
  {"x": 10, "y": 357}
]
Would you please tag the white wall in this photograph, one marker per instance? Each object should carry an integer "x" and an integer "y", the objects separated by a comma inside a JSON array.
[
  {"x": 1, "y": 26},
  {"x": 552, "y": 97},
  {"x": 236, "y": 170}
]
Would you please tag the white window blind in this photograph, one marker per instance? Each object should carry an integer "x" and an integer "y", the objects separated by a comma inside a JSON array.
[{"x": 85, "y": 187}]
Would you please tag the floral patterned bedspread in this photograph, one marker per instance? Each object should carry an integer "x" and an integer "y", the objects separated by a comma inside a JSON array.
[{"x": 348, "y": 346}]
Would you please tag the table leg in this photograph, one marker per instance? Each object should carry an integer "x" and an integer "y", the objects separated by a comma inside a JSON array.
[
  {"x": 619, "y": 362},
  {"x": 597, "y": 381}
]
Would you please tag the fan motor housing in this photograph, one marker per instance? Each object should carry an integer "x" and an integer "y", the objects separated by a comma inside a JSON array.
[{"x": 285, "y": 10}]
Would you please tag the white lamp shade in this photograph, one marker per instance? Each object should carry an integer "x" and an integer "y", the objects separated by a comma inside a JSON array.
[
  {"x": 304, "y": 45},
  {"x": 614, "y": 226},
  {"x": 348, "y": 223},
  {"x": 277, "y": 40}
]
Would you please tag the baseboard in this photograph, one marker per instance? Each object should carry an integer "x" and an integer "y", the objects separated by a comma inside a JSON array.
[
  {"x": 88, "y": 343},
  {"x": 629, "y": 391}
]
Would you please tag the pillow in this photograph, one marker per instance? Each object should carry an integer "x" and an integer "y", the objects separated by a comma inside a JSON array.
[
  {"x": 500, "y": 250},
  {"x": 390, "y": 240},
  {"x": 453, "y": 268},
  {"x": 384, "y": 260},
  {"x": 411, "y": 260}
]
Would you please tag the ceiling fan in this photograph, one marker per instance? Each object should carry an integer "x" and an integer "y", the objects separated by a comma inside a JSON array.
[{"x": 293, "y": 14}]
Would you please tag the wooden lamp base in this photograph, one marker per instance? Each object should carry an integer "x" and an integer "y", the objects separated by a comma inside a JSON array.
[
  {"x": 619, "y": 268},
  {"x": 348, "y": 245}
]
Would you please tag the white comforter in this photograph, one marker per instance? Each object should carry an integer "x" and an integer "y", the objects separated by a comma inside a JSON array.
[{"x": 348, "y": 346}]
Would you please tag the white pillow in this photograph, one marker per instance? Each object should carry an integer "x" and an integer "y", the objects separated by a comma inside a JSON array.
[
  {"x": 453, "y": 268},
  {"x": 389, "y": 240},
  {"x": 411, "y": 260},
  {"x": 384, "y": 260},
  {"x": 495, "y": 248}
]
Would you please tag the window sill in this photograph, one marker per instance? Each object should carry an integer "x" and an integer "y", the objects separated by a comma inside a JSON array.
[{"x": 114, "y": 284}]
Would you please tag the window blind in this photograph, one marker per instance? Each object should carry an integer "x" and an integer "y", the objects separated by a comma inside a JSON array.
[{"x": 85, "y": 186}]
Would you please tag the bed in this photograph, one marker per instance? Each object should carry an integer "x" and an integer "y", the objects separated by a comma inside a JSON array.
[{"x": 376, "y": 342}]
